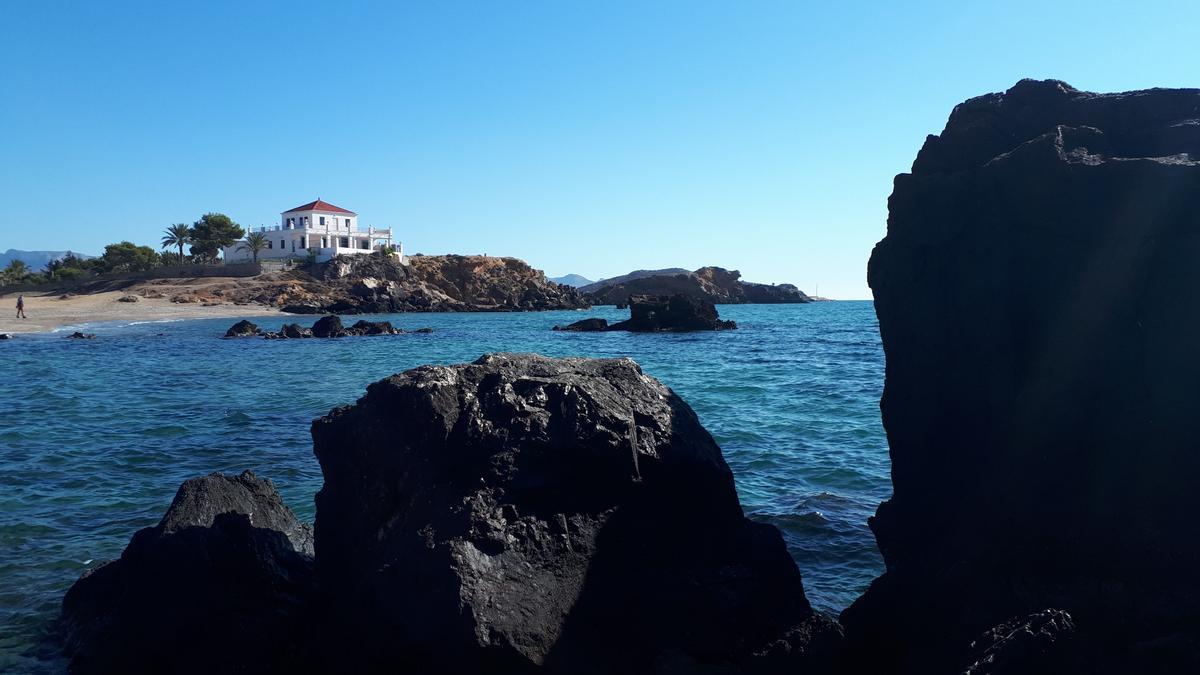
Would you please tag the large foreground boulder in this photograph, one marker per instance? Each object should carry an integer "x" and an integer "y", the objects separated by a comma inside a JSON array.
[
  {"x": 222, "y": 584},
  {"x": 528, "y": 514},
  {"x": 1036, "y": 295}
]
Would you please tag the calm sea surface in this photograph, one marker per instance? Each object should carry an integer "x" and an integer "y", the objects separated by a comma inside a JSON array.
[{"x": 96, "y": 435}]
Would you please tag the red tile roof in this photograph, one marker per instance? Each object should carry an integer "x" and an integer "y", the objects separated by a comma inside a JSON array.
[{"x": 321, "y": 206}]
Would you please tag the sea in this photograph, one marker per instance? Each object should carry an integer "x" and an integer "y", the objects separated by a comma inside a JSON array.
[{"x": 96, "y": 435}]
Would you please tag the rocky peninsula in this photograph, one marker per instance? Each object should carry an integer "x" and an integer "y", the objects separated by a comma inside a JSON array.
[{"x": 714, "y": 284}]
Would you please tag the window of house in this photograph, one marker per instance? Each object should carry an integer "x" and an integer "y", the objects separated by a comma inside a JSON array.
[
  {"x": 268, "y": 244},
  {"x": 366, "y": 244},
  {"x": 282, "y": 244},
  {"x": 347, "y": 223},
  {"x": 345, "y": 242},
  {"x": 322, "y": 221}
]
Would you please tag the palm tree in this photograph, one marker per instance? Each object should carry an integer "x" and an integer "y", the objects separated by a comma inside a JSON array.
[
  {"x": 255, "y": 242},
  {"x": 16, "y": 271},
  {"x": 179, "y": 234}
]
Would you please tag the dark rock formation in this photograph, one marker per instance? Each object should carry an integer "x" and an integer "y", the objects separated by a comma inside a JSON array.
[
  {"x": 5, "y": 336},
  {"x": 585, "y": 325},
  {"x": 328, "y": 326},
  {"x": 658, "y": 314},
  {"x": 527, "y": 514},
  {"x": 1039, "y": 644},
  {"x": 654, "y": 313},
  {"x": 243, "y": 328},
  {"x": 325, "y": 327},
  {"x": 372, "y": 328},
  {"x": 81, "y": 336},
  {"x": 221, "y": 584},
  {"x": 714, "y": 284},
  {"x": 1036, "y": 299},
  {"x": 128, "y": 298},
  {"x": 300, "y": 309}
]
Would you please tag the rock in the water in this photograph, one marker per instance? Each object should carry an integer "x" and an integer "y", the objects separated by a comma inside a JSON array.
[
  {"x": 81, "y": 336},
  {"x": 243, "y": 328},
  {"x": 328, "y": 326},
  {"x": 659, "y": 313},
  {"x": 528, "y": 514},
  {"x": 128, "y": 298},
  {"x": 5, "y": 336},
  {"x": 293, "y": 330},
  {"x": 1036, "y": 300},
  {"x": 222, "y": 584},
  {"x": 654, "y": 313},
  {"x": 586, "y": 325},
  {"x": 423, "y": 330},
  {"x": 714, "y": 284},
  {"x": 372, "y": 328}
]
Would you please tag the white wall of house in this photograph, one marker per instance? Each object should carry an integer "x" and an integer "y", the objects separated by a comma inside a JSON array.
[{"x": 333, "y": 221}]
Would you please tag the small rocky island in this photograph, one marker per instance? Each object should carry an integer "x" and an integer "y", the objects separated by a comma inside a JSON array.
[
  {"x": 713, "y": 284},
  {"x": 657, "y": 314}
]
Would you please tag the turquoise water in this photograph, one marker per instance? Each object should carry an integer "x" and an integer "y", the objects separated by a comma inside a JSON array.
[{"x": 95, "y": 435}]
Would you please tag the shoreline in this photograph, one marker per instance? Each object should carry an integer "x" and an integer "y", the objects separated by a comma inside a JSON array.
[{"x": 48, "y": 312}]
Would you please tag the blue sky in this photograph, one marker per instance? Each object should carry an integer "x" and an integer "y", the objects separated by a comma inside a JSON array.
[{"x": 587, "y": 138}]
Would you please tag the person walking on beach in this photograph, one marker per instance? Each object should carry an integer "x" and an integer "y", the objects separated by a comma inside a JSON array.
[{"x": 21, "y": 307}]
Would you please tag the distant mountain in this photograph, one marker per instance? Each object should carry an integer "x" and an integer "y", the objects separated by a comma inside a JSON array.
[
  {"x": 37, "y": 260},
  {"x": 636, "y": 274},
  {"x": 572, "y": 280}
]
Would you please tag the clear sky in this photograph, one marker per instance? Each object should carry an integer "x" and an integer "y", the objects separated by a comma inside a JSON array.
[{"x": 587, "y": 138}]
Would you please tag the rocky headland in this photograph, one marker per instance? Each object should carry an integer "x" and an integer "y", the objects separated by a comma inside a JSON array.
[
  {"x": 659, "y": 314},
  {"x": 714, "y": 284},
  {"x": 367, "y": 284},
  {"x": 1036, "y": 299}
]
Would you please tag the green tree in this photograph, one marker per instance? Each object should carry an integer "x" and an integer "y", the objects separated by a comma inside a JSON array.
[
  {"x": 179, "y": 234},
  {"x": 71, "y": 266},
  {"x": 128, "y": 257},
  {"x": 16, "y": 272},
  {"x": 213, "y": 232},
  {"x": 255, "y": 242}
]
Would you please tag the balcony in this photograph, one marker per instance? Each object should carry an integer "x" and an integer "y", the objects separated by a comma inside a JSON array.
[{"x": 381, "y": 232}]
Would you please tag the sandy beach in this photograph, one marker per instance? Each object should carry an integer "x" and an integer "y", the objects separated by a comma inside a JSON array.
[{"x": 50, "y": 311}]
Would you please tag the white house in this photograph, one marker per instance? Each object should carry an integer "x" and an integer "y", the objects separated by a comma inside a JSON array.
[{"x": 318, "y": 228}]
